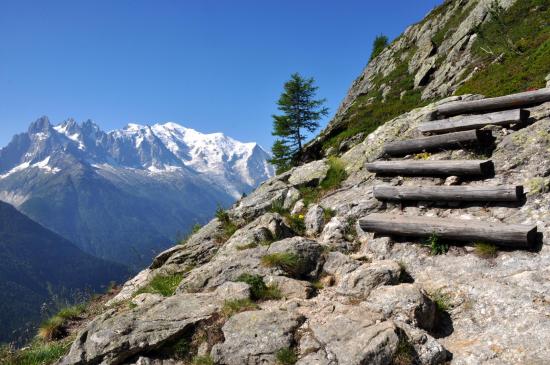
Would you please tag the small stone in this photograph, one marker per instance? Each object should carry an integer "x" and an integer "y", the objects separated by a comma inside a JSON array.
[
  {"x": 314, "y": 220},
  {"x": 298, "y": 207},
  {"x": 452, "y": 180}
]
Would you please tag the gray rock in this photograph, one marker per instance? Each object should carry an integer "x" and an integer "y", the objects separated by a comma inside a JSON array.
[
  {"x": 146, "y": 299},
  {"x": 261, "y": 200},
  {"x": 353, "y": 338},
  {"x": 113, "y": 337},
  {"x": 307, "y": 250},
  {"x": 366, "y": 277},
  {"x": 291, "y": 288},
  {"x": 333, "y": 232},
  {"x": 298, "y": 208},
  {"x": 428, "y": 350},
  {"x": 338, "y": 264},
  {"x": 309, "y": 174},
  {"x": 131, "y": 286},
  {"x": 404, "y": 302},
  {"x": 314, "y": 220},
  {"x": 254, "y": 337},
  {"x": 292, "y": 196},
  {"x": 233, "y": 291}
]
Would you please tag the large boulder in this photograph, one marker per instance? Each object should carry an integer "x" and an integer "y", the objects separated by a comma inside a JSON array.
[
  {"x": 351, "y": 336},
  {"x": 310, "y": 174},
  {"x": 116, "y": 336},
  {"x": 308, "y": 252},
  {"x": 255, "y": 337},
  {"x": 404, "y": 302},
  {"x": 360, "y": 282},
  {"x": 291, "y": 288}
]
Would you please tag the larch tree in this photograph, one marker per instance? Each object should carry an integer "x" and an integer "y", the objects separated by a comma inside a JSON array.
[{"x": 301, "y": 112}]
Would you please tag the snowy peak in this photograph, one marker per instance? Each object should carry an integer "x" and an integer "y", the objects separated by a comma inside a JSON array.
[{"x": 168, "y": 148}]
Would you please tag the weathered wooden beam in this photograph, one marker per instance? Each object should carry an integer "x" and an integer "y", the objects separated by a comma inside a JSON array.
[
  {"x": 462, "y": 123},
  {"x": 439, "y": 142},
  {"x": 430, "y": 168},
  {"x": 511, "y": 235},
  {"x": 499, "y": 103},
  {"x": 449, "y": 193}
]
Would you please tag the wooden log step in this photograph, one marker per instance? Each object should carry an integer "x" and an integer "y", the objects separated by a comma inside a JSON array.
[
  {"x": 482, "y": 168},
  {"x": 439, "y": 142},
  {"x": 499, "y": 103},
  {"x": 462, "y": 123},
  {"x": 510, "y": 235},
  {"x": 449, "y": 193}
]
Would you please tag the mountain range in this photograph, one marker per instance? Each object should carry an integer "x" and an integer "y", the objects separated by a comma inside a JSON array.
[{"x": 124, "y": 195}]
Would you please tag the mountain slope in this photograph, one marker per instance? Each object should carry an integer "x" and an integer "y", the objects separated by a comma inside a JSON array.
[
  {"x": 36, "y": 263},
  {"x": 463, "y": 46},
  {"x": 126, "y": 194}
]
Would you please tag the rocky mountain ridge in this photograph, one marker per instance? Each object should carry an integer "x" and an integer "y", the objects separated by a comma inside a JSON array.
[{"x": 99, "y": 189}]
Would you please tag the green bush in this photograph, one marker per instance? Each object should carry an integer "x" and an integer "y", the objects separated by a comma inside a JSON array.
[
  {"x": 258, "y": 289},
  {"x": 286, "y": 356},
  {"x": 164, "y": 285},
  {"x": 436, "y": 246},
  {"x": 378, "y": 45}
]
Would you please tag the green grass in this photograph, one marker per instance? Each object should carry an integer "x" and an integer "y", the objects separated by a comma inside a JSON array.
[
  {"x": 164, "y": 285},
  {"x": 37, "y": 353},
  {"x": 228, "y": 226},
  {"x": 52, "y": 329},
  {"x": 232, "y": 307},
  {"x": 295, "y": 221},
  {"x": 286, "y": 356},
  {"x": 310, "y": 194},
  {"x": 521, "y": 35},
  {"x": 289, "y": 262},
  {"x": 72, "y": 312},
  {"x": 436, "y": 246},
  {"x": 328, "y": 214},
  {"x": 441, "y": 300},
  {"x": 202, "y": 360},
  {"x": 336, "y": 174},
  {"x": 485, "y": 250},
  {"x": 258, "y": 289},
  {"x": 247, "y": 246},
  {"x": 405, "y": 354}
]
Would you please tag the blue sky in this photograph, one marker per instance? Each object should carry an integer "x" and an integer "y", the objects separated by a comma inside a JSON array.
[{"x": 209, "y": 65}]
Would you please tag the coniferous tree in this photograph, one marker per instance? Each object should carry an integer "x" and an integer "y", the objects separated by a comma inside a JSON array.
[
  {"x": 301, "y": 113},
  {"x": 380, "y": 42}
]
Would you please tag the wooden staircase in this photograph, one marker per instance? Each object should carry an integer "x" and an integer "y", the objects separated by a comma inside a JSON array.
[{"x": 455, "y": 132}]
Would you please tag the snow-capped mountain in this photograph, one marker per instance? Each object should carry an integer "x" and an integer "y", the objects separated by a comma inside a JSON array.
[{"x": 129, "y": 188}]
